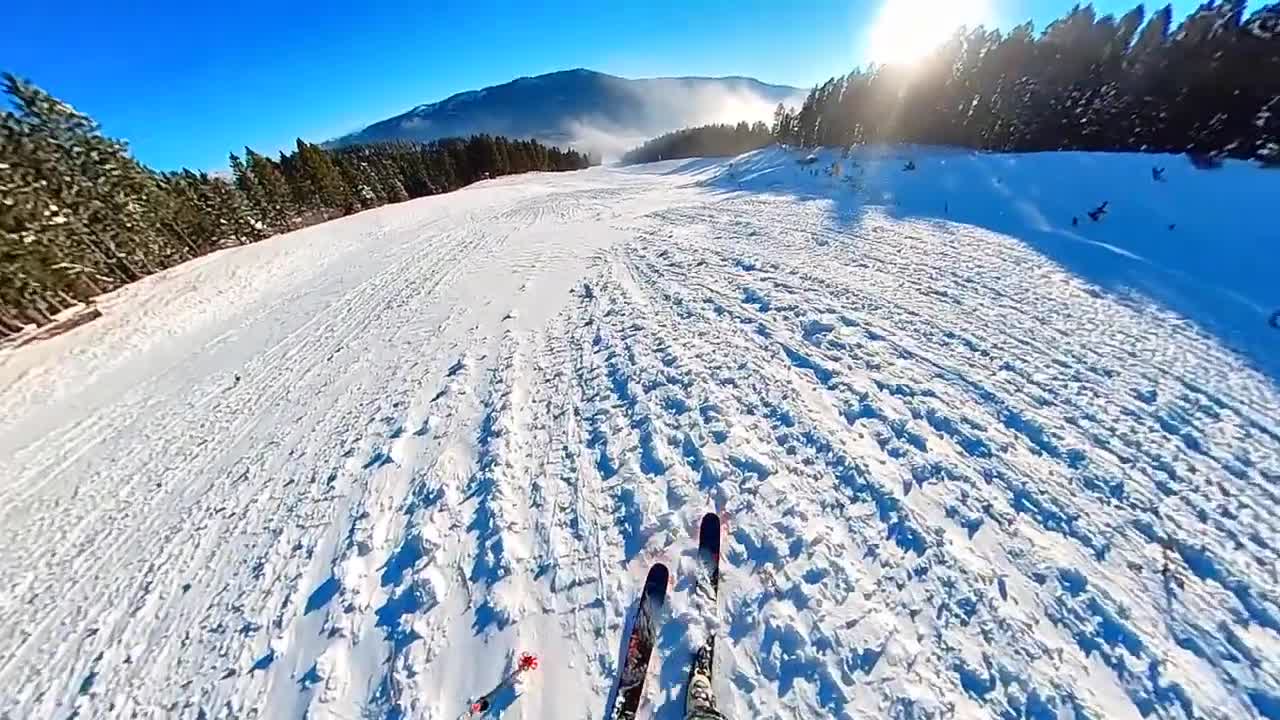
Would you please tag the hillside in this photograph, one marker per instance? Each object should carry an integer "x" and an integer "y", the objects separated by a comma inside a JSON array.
[
  {"x": 975, "y": 460},
  {"x": 588, "y": 110}
]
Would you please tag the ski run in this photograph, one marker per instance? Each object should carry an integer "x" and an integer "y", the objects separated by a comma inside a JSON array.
[{"x": 974, "y": 458}]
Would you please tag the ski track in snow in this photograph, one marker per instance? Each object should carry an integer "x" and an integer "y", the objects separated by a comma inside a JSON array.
[{"x": 354, "y": 471}]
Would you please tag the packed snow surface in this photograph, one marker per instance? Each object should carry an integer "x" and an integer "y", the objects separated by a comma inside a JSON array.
[{"x": 974, "y": 460}]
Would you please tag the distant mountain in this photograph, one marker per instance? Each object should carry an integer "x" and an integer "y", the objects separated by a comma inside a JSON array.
[{"x": 589, "y": 110}]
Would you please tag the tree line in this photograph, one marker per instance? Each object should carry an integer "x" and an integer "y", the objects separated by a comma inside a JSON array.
[
  {"x": 79, "y": 216},
  {"x": 704, "y": 141},
  {"x": 1209, "y": 87}
]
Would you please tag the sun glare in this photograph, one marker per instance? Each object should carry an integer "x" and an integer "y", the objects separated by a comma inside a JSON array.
[{"x": 906, "y": 30}]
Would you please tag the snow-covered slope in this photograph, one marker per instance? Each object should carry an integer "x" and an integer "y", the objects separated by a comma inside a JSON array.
[{"x": 974, "y": 461}]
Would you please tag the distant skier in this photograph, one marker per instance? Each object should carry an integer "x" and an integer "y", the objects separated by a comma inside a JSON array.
[{"x": 1097, "y": 213}]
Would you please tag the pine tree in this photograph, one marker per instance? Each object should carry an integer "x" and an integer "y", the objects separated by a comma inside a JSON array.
[
  {"x": 95, "y": 196},
  {"x": 359, "y": 193},
  {"x": 272, "y": 198},
  {"x": 254, "y": 197},
  {"x": 322, "y": 178}
]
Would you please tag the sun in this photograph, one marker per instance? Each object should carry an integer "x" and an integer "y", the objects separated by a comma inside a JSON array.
[{"x": 906, "y": 30}]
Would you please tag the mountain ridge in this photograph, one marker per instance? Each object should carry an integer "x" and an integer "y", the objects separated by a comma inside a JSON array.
[{"x": 584, "y": 108}]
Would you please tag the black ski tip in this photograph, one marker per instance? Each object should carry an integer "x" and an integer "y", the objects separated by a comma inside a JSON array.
[
  {"x": 709, "y": 533},
  {"x": 655, "y": 585}
]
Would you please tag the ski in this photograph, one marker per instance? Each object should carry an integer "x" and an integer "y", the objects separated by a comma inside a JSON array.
[
  {"x": 699, "y": 698},
  {"x": 644, "y": 631},
  {"x": 707, "y": 586}
]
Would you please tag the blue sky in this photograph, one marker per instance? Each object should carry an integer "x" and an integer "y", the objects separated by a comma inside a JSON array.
[{"x": 187, "y": 82}]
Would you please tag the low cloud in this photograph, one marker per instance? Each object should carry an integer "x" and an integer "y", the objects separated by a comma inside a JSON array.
[
  {"x": 671, "y": 104},
  {"x": 603, "y": 140}
]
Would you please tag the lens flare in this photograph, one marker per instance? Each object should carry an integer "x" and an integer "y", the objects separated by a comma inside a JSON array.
[{"x": 906, "y": 30}]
